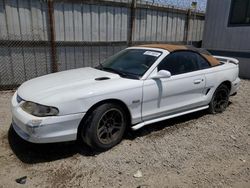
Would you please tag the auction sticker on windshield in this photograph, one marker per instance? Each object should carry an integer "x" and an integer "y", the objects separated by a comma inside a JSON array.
[{"x": 156, "y": 54}]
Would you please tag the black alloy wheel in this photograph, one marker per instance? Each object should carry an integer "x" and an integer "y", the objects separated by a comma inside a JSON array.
[
  {"x": 110, "y": 126},
  {"x": 104, "y": 127},
  {"x": 220, "y": 100}
]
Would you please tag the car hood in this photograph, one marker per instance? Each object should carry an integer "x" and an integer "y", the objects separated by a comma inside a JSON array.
[{"x": 46, "y": 86}]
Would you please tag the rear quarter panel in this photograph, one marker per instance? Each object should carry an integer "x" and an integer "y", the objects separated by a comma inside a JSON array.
[{"x": 216, "y": 75}]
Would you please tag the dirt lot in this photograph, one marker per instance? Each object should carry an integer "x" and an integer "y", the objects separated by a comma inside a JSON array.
[{"x": 196, "y": 150}]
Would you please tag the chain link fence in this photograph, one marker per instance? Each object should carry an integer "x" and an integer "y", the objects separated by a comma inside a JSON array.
[{"x": 38, "y": 37}]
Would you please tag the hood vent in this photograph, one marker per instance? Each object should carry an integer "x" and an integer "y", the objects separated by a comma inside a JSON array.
[{"x": 102, "y": 78}]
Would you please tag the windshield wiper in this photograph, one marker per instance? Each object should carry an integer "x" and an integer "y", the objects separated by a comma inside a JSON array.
[
  {"x": 99, "y": 66},
  {"x": 114, "y": 71},
  {"x": 122, "y": 74}
]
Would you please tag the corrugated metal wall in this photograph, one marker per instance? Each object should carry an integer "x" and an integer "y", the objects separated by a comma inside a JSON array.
[
  {"x": 223, "y": 40},
  {"x": 21, "y": 23},
  {"x": 86, "y": 32},
  {"x": 218, "y": 35},
  {"x": 157, "y": 26}
]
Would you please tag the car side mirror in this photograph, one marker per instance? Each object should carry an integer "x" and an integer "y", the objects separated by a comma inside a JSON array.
[{"x": 162, "y": 74}]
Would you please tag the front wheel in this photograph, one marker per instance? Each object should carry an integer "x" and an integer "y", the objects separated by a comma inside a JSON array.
[
  {"x": 105, "y": 127},
  {"x": 219, "y": 100}
]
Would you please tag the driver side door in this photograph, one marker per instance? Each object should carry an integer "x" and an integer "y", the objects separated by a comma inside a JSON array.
[{"x": 181, "y": 92}]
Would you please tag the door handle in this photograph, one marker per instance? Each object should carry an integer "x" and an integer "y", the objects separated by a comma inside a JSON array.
[{"x": 198, "y": 81}]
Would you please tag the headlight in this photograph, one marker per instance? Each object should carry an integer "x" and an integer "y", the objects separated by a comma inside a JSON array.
[{"x": 39, "y": 110}]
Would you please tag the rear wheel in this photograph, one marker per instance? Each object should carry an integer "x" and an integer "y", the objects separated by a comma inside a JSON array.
[
  {"x": 219, "y": 100},
  {"x": 105, "y": 127}
]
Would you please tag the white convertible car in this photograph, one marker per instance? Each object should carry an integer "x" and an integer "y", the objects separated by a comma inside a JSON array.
[{"x": 135, "y": 87}]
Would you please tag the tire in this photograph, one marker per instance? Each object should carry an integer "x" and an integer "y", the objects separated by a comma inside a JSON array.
[
  {"x": 104, "y": 127},
  {"x": 219, "y": 100}
]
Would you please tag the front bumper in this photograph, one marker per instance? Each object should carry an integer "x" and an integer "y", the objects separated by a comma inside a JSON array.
[{"x": 44, "y": 129}]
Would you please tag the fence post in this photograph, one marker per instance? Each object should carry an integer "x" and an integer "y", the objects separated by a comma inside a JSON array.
[
  {"x": 52, "y": 35},
  {"x": 131, "y": 23},
  {"x": 187, "y": 26}
]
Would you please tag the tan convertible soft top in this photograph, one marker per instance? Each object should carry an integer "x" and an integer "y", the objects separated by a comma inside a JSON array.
[{"x": 171, "y": 48}]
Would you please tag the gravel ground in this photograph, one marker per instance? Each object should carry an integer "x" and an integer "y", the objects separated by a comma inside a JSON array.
[{"x": 196, "y": 150}]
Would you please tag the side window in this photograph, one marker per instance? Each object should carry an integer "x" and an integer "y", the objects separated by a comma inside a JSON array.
[
  {"x": 180, "y": 62},
  {"x": 202, "y": 62},
  {"x": 239, "y": 13}
]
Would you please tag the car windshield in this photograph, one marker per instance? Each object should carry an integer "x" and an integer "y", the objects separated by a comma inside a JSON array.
[{"x": 131, "y": 63}]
